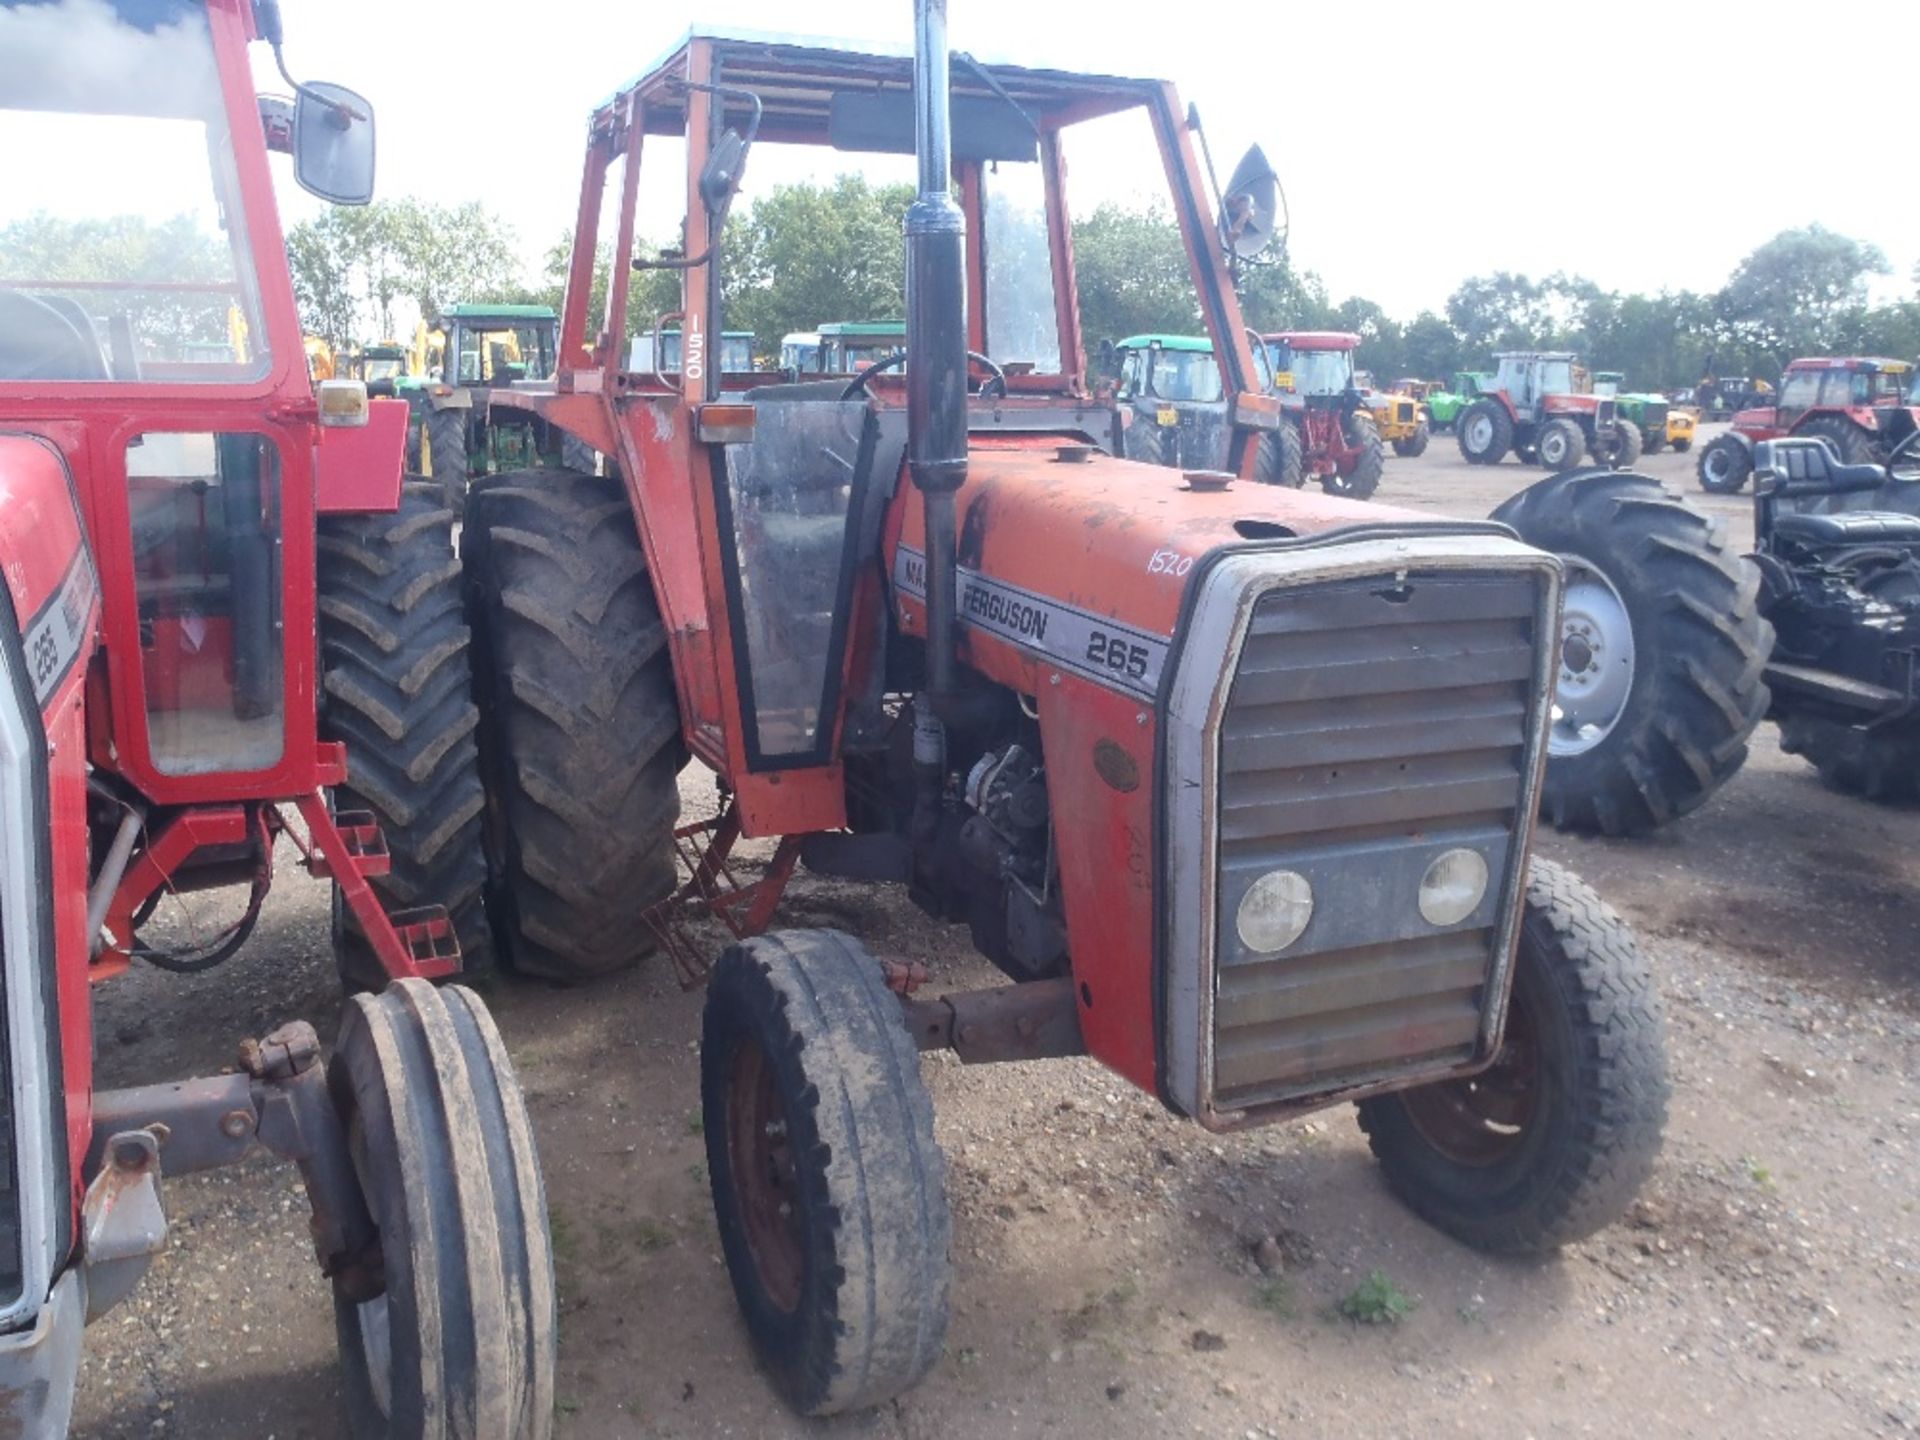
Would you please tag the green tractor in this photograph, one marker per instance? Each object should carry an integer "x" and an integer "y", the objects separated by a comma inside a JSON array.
[
  {"x": 469, "y": 351},
  {"x": 1648, "y": 412},
  {"x": 1444, "y": 406}
]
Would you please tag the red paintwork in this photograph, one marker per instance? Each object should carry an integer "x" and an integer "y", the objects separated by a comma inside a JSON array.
[
  {"x": 357, "y": 471},
  {"x": 40, "y": 540},
  {"x": 1315, "y": 339}
]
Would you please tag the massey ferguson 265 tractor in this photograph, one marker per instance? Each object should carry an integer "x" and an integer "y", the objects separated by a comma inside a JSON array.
[
  {"x": 1530, "y": 408},
  {"x": 1235, "y": 783},
  {"x": 170, "y": 483}
]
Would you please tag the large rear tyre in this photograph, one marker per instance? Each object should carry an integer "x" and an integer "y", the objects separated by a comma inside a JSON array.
[
  {"x": 580, "y": 722},
  {"x": 396, "y": 689},
  {"x": 1279, "y": 460},
  {"x": 1409, "y": 446},
  {"x": 1662, "y": 651},
  {"x": 462, "y": 1341},
  {"x": 1484, "y": 432},
  {"x": 1553, "y": 1141},
  {"x": 1362, "y": 475},
  {"x": 1850, "y": 444},
  {"x": 1724, "y": 465},
  {"x": 828, "y": 1186},
  {"x": 444, "y": 454}
]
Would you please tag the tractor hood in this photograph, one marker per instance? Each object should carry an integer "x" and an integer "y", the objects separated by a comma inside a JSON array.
[{"x": 1085, "y": 566}]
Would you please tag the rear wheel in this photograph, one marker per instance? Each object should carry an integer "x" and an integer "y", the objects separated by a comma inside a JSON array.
[
  {"x": 580, "y": 739},
  {"x": 1362, "y": 475},
  {"x": 396, "y": 689},
  {"x": 1560, "y": 445},
  {"x": 1680, "y": 447},
  {"x": 1869, "y": 763},
  {"x": 829, "y": 1188},
  {"x": 1618, "y": 445},
  {"x": 1724, "y": 465},
  {"x": 1662, "y": 650},
  {"x": 1414, "y": 444},
  {"x": 1485, "y": 432},
  {"x": 462, "y": 1340},
  {"x": 444, "y": 452},
  {"x": 1851, "y": 444},
  {"x": 1654, "y": 443},
  {"x": 1553, "y": 1141},
  {"x": 1280, "y": 461}
]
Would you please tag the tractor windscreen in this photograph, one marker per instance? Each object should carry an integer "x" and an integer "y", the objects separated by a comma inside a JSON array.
[
  {"x": 1183, "y": 375},
  {"x": 123, "y": 251},
  {"x": 503, "y": 354},
  {"x": 1312, "y": 372}
]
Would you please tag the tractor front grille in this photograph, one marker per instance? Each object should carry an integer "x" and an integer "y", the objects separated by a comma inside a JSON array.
[{"x": 1372, "y": 724}]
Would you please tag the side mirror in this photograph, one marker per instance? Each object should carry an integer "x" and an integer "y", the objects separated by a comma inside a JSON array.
[
  {"x": 1252, "y": 209},
  {"x": 333, "y": 144},
  {"x": 720, "y": 176}
]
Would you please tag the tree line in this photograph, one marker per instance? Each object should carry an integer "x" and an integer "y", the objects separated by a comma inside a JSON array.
[{"x": 805, "y": 254}]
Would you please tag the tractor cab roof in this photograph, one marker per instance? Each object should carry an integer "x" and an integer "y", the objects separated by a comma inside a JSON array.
[
  {"x": 1197, "y": 344},
  {"x": 1535, "y": 355},
  {"x": 1314, "y": 339},
  {"x": 864, "y": 327},
  {"x": 484, "y": 313},
  {"x": 857, "y": 95},
  {"x": 1873, "y": 363}
]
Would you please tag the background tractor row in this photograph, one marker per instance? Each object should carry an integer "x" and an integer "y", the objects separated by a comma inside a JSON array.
[
  {"x": 1860, "y": 406},
  {"x": 1660, "y": 423}
]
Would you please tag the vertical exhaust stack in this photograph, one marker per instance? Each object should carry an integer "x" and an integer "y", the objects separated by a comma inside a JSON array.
[{"x": 936, "y": 337}]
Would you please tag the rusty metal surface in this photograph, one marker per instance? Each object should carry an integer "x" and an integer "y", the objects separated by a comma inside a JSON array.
[
  {"x": 714, "y": 889},
  {"x": 1038, "y": 1020},
  {"x": 122, "y": 1222}
]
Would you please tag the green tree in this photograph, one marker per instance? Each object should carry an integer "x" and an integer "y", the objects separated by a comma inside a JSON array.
[
  {"x": 1800, "y": 293},
  {"x": 129, "y": 249},
  {"x": 805, "y": 254},
  {"x": 1133, "y": 277}
]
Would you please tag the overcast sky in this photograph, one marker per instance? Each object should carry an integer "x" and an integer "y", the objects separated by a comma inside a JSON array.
[{"x": 1644, "y": 145}]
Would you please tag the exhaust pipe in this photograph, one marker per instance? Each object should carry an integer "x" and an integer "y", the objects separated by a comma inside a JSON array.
[{"x": 936, "y": 338}]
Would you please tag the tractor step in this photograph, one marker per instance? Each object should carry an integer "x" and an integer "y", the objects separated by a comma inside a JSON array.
[
  {"x": 427, "y": 934},
  {"x": 366, "y": 847}
]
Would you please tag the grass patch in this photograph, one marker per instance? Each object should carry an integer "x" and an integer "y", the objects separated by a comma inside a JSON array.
[
  {"x": 1275, "y": 1296},
  {"x": 1376, "y": 1300}
]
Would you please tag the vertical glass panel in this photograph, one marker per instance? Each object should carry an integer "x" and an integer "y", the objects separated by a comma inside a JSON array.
[
  {"x": 206, "y": 564},
  {"x": 1022, "y": 325},
  {"x": 792, "y": 491}
]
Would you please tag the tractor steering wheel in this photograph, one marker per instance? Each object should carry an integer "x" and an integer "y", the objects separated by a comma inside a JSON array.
[{"x": 859, "y": 382}]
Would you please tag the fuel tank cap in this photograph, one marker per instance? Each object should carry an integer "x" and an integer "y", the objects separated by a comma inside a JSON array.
[{"x": 1207, "y": 479}]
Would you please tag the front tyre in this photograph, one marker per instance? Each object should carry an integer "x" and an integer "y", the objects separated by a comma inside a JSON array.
[
  {"x": 1560, "y": 445},
  {"x": 1409, "y": 446},
  {"x": 1724, "y": 465},
  {"x": 462, "y": 1341},
  {"x": 828, "y": 1186},
  {"x": 1662, "y": 651},
  {"x": 444, "y": 454},
  {"x": 1361, "y": 475},
  {"x": 1552, "y": 1141},
  {"x": 1279, "y": 460}
]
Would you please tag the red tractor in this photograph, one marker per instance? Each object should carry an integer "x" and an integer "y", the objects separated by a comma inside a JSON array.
[
  {"x": 1236, "y": 784},
  {"x": 1340, "y": 445},
  {"x": 219, "y": 605},
  {"x": 1532, "y": 409},
  {"x": 1861, "y": 407}
]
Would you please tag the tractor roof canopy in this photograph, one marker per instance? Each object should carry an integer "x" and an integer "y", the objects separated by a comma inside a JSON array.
[
  {"x": 1197, "y": 344},
  {"x": 485, "y": 314},
  {"x": 1315, "y": 339},
  {"x": 863, "y": 327},
  {"x": 1851, "y": 362},
  {"x": 1525, "y": 356}
]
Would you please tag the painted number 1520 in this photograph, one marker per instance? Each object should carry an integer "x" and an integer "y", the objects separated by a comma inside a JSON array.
[{"x": 1169, "y": 562}]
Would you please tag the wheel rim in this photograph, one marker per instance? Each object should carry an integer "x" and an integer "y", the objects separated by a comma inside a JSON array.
[
  {"x": 1482, "y": 1119},
  {"x": 372, "y": 1318},
  {"x": 1596, "y": 662},
  {"x": 760, "y": 1152},
  {"x": 1718, "y": 466},
  {"x": 1479, "y": 432},
  {"x": 1553, "y": 449}
]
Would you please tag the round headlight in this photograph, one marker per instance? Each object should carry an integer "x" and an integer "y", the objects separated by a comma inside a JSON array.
[
  {"x": 1453, "y": 886},
  {"x": 1274, "y": 911}
]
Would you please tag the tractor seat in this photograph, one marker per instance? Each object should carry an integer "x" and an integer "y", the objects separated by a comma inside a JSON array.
[{"x": 1850, "y": 527}]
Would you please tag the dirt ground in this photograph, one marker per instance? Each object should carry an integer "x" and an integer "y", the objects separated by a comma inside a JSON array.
[{"x": 1106, "y": 1278}]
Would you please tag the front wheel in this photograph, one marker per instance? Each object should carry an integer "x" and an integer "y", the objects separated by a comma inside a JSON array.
[
  {"x": 1680, "y": 447},
  {"x": 1279, "y": 461},
  {"x": 1723, "y": 467},
  {"x": 1560, "y": 445},
  {"x": 1553, "y": 1140},
  {"x": 1409, "y": 446},
  {"x": 1361, "y": 475},
  {"x": 462, "y": 1340},
  {"x": 828, "y": 1186}
]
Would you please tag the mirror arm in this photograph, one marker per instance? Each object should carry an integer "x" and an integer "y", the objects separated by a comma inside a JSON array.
[{"x": 684, "y": 262}]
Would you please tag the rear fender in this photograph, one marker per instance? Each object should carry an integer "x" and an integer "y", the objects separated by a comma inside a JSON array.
[{"x": 357, "y": 471}]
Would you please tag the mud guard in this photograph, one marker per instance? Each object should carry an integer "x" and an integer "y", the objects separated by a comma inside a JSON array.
[{"x": 357, "y": 471}]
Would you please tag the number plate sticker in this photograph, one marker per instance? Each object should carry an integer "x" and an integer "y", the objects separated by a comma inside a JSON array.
[
  {"x": 1115, "y": 654},
  {"x": 1167, "y": 415}
]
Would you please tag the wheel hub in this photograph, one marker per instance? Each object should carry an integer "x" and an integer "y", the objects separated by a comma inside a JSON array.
[
  {"x": 1483, "y": 1118},
  {"x": 1479, "y": 433},
  {"x": 760, "y": 1152},
  {"x": 1596, "y": 662}
]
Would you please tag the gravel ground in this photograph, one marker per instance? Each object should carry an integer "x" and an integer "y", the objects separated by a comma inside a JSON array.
[{"x": 1123, "y": 1274}]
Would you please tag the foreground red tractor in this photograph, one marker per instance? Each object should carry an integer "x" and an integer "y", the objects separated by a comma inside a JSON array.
[
  {"x": 1532, "y": 409},
  {"x": 177, "y": 501},
  {"x": 1235, "y": 783},
  {"x": 1861, "y": 407},
  {"x": 1340, "y": 445}
]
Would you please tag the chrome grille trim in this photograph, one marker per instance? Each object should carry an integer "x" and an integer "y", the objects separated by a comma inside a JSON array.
[{"x": 1328, "y": 691}]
